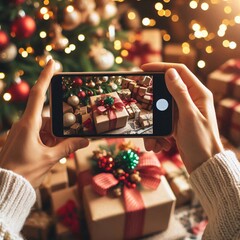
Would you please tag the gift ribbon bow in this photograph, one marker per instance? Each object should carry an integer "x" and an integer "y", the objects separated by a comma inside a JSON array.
[
  {"x": 150, "y": 172},
  {"x": 129, "y": 101},
  {"x": 69, "y": 217}
]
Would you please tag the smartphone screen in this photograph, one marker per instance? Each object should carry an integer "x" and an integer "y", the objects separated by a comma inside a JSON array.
[{"x": 133, "y": 104}]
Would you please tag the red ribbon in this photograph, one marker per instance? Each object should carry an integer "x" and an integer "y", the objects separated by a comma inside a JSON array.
[
  {"x": 150, "y": 171},
  {"x": 141, "y": 51},
  {"x": 129, "y": 101},
  {"x": 88, "y": 124},
  {"x": 69, "y": 217}
]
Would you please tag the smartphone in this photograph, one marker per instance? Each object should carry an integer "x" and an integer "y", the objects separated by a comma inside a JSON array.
[{"x": 111, "y": 104}]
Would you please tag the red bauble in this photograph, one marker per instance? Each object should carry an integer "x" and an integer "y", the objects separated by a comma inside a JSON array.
[
  {"x": 17, "y": 2},
  {"x": 78, "y": 81},
  {"x": 81, "y": 94},
  {"x": 23, "y": 27},
  {"x": 106, "y": 163},
  {"x": 90, "y": 93},
  {"x": 19, "y": 91},
  {"x": 4, "y": 40}
]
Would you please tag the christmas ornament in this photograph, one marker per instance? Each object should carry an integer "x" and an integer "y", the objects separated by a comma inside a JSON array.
[
  {"x": 104, "y": 59},
  {"x": 109, "y": 101},
  {"x": 92, "y": 84},
  {"x": 114, "y": 86},
  {"x": 127, "y": 159},
  {"x": 59, "y": 42},
  {"x": 93, "y": 19},
  {"x": 72, "y": 18},
  {"x": 17, "y": 2},
  {"x": 23, "y": 27},
  {"x": 104, "y": 79},
  {"x": 4, "y": 40},
  {"x": 73, "y": 100},
  {"x": 78, "y": 81},
  {"x": 98, "y": 82},
  {"x": 109, "y": 10},
  {"x": 85, "y": 5},
  {"x": 135, "y": 177},
  {"x": 90, "y": 93},
  {"x": 100, "y": 90},
  {"x": 81, "y": 94},
  {"x": 8, "y": 53},
  {"x": 68, "y": 119},
  {"x": 106, "y": 163},
  {"x": 19, "y": 90}
]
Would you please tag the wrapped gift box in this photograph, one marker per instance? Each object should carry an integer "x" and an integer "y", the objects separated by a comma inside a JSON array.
[
  {"x": 174, "y": 53},
  {"x": 228, "y": 115},
  {"x": 38, "y": 225},
  {"x": 106, "y": 216},
  {"x": 225, "y": 81},
  {"x": 146, "y": 120},
  {"x": 126, "y": 82},
  {"x": 146, "y": 47},
  {"x": 178, "y": 180},
  {"x": 124, "y": 94},
  {"x": 133, "y": 111},
  {"x": 102, "y": 121},
  {"x": 61, "y": 200}
]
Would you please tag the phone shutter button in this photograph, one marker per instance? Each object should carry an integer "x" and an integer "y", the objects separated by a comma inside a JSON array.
[{"x": 162, "y": 104}]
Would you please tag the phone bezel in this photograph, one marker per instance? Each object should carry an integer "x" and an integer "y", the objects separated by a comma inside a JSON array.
[{"x": 57, "y": 113}]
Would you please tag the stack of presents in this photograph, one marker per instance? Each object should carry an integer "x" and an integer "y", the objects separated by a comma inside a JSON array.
[
  {"x": 113, "y": 189},
  {"x": 225, "y": 86}
]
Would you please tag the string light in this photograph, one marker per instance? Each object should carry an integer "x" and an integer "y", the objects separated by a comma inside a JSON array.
[
  {"x": 201, "y": 64},
  {"x": 118, "y": 60},
  {"x": 81, "y": 37},
  {"x": 43, "y": 34},
  {"x": 2, "y": 75},
  {"x": 7, "y": 97}
]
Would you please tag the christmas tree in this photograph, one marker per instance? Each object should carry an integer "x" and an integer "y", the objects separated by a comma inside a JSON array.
[{"x": 81, "y": 35}]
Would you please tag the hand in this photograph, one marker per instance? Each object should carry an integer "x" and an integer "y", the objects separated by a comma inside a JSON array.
[
  {"x": 195, "y": 126},
  {"x": 30, "y": 149}
]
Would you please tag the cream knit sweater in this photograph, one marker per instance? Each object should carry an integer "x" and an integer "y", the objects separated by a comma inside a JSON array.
[{"x": 216, "y": 183}]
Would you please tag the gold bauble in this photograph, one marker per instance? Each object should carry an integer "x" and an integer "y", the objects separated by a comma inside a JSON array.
[
  {"x": 72, "y": 18},
  {"x": 93, "y": 18},
  {"x": 73, "y": 100},
  {"x": 85, "y": 5},
  {"x": 104, "y": 60},
  {"x": 68, "y": 119},
  {"x": 92, "y": 84},
  {"x": 8, "y": 54}
]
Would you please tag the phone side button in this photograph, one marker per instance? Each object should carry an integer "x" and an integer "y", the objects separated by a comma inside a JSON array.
[{"x": 162, "y": 104}]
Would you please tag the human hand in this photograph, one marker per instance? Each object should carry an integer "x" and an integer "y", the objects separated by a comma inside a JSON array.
[
  {"x": 30, "y": 149},
  {"x": 195, "y": 125}
]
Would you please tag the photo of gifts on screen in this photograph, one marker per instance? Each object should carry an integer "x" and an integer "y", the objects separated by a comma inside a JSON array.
[{"x": 107, "y": 105}]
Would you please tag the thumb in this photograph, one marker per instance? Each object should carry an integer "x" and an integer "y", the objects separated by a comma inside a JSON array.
[
  {"x": 178, "y": 89},
  {"x": 67, "y": 146}
]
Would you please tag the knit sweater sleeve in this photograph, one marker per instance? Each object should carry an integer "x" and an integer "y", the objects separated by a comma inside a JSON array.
[
  {"x": 17, "y": 196},
  {"x": 217, "y": 185}
]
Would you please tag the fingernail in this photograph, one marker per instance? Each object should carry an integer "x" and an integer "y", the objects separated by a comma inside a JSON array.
[{"x": 172, "y": 74}]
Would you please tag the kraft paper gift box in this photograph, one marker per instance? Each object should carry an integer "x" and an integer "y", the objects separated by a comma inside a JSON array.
[
  {"x": 38, "y": 225},
  {"x": 61, "y": 210},
  {"x": 106, "y": 216},
  {"x": 124, "y": 94},
  {"x": 228, "y": 115},
  {"x": 225, "y": 81},
  {"x": 102, "y": 122},
  {"x": 138, "y": 92},
  {"x": 146, "y": 47},
  {"x": 126, "y": 82},
  {"x": 146, "y": 120},
  {"x": 178, "y": 180}
]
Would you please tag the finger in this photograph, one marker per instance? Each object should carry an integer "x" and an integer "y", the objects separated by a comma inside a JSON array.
[
  {"x": 37, "y": 94},
  {"x": 178, "y": 90},
  {"x": 149, "y": 143},
  {"x": 68, "y": 146},
  {"x": 188, "y": 77}
]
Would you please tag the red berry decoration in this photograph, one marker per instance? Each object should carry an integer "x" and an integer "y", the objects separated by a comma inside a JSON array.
[
  {"x": 23, "y": 27},
  {"x": 106, "y": 163},
  {"x": 78, "y": 81},
  {"x": 19, "y": 91},
  {"x": 81, "y": 94},
  {"x": 4, "y": 40}
]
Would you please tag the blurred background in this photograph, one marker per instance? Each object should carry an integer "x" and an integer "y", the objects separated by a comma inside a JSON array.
[{"x": 104, "y": 35}]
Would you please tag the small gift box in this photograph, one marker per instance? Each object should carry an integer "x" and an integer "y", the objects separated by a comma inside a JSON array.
[
  {"x": 145, "y": 81},
  {"x": 132, "y": 211},
  {"x": 87, "y": 123},
  {"x": 132, "y": 85},
  {"x": 67, "y": 108},
  {"x": 126, "y": 82},
  {"x": 38, "y": 225},
  {"x": 79, "y": 112},
  {"x": 109, "y": 112},
  {"x": 66, "y": 209},
  {"x": 228, "y": 115},
  {"x": 130, "y": 112},
  {"x": 177, "y": 177},
  {"x": 76, "y": 128},
  {"x": 225, "y": 81},
  {"x": 146, "y": 120},
  {"x": 147, "y": 106},
  {"x": 124, "y": 94},
  {"x": 139, "y": 92}
]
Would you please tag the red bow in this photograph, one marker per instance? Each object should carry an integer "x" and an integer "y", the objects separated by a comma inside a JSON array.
[
  {"x": 69, "y": 217},
  {"x": 88, "y": 124},
  {"x": 129, "y": 101},
  {"x": 150, "y": 172}
]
